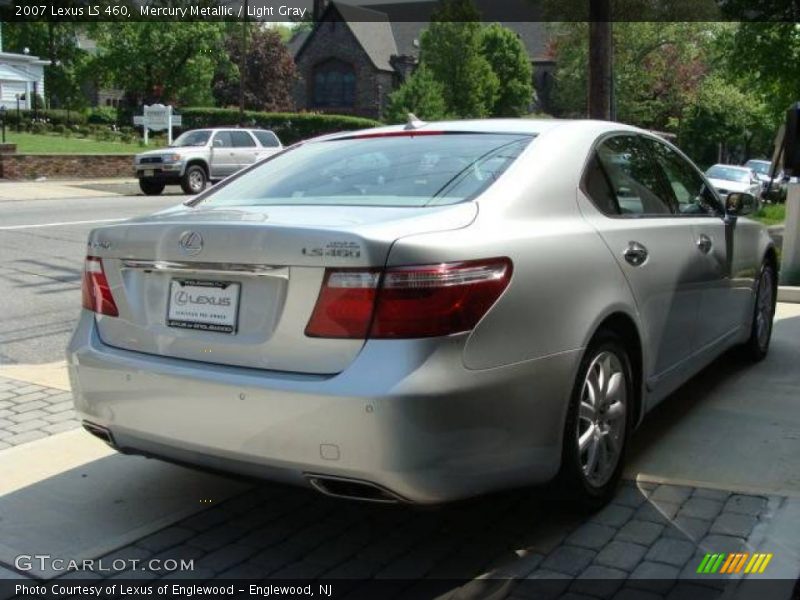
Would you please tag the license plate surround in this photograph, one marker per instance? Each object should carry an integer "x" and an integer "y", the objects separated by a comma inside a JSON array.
[{"x": 221, "y": 316}]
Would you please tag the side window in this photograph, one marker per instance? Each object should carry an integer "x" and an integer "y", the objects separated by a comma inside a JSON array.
[
  {"x": 692, "y": 196},
  {"x": 267, "y": 139},
  {"x": 242, "y": 139},
  {"x": 222, "y": 139},
  {"x": 634, "y": 177}
]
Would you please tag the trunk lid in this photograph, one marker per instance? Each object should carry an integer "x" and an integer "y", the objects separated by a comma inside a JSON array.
[{"x": 260, "y": 268}]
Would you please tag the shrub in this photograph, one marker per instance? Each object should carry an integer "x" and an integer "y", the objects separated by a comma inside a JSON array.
[
  {"x": 102, "y": 115},
  {"x": 290, "y": 127},
  {"x": 39, "y": 127}
]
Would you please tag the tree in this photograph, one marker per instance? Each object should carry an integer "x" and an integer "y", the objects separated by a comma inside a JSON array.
[
  {"x": 159, "y": 60},
  {"x": 56, "y": 41},
  {"x": 767, "y": 55},
  {"x": 451, "y": 48},
  {"x": 509, "y": 61},
  {"x": 420, "y": 94},
  {"x": 269, "y": 72}
]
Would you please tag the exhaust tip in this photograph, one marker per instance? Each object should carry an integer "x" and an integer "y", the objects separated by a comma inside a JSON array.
[
  {"x": 100, "y": 432},
  {"x": 352, "y": 489}
]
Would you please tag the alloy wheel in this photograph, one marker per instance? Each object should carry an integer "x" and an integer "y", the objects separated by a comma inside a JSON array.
[{"x": 602, "y": 418}]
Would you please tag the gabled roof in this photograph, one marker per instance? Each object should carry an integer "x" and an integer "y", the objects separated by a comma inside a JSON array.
[{"x": 371, "y": 29}]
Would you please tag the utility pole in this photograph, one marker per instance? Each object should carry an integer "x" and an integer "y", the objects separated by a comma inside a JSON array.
[
  {"x": 242, "y": 66},
  {"x": 600, "y": 60}
]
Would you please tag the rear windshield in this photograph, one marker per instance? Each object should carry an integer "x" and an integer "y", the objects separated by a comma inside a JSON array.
[
  {"x": 762, "y": 168},
  {"x": 421, "y": 170}
]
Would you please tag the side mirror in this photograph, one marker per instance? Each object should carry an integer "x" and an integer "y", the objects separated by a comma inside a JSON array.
[{"x": 740, "y": 204}]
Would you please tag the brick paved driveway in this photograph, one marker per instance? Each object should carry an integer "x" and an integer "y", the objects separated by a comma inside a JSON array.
[{"x": 646, "y": 544}]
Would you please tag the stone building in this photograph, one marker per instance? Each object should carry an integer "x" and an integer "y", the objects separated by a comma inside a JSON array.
[{"x": 356, "y": 56}]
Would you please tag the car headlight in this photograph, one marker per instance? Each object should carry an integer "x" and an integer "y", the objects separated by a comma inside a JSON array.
[{"x": 172, "y": 158}]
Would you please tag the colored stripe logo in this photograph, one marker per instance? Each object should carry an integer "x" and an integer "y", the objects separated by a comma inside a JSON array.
[{"x": 734, "y": 562}]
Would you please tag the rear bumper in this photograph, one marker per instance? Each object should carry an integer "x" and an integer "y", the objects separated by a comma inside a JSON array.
[{"x": 405, "y": 415}]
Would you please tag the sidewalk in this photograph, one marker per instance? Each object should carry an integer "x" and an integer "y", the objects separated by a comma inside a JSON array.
[{"x": 11, "y": 191}]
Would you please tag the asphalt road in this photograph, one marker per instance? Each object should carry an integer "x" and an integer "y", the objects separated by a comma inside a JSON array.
[{"x": 42, "y": 247}]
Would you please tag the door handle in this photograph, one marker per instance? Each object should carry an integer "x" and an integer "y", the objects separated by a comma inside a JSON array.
[
  {"x": 635, "y": 254},
  {"x": 704, "y": 243}
]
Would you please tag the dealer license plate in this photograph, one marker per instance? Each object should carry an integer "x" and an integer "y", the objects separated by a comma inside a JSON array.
[{"x": 203, "y": 305}]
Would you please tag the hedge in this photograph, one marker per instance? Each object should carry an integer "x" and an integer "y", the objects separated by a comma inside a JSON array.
[
  {"x": 290, "y": 127},
  {"x": 53, "y": 116}
]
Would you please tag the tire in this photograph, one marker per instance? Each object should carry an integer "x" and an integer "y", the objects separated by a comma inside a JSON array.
[
  {"x": 757, "y": 345},
  {"x": 151, "y": 188},
  {"x": 588, "y": 484},
  {"x": 194, "y": 179}
]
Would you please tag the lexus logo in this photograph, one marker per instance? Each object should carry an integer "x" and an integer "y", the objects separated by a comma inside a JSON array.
[{"x": 191, "y": 242}]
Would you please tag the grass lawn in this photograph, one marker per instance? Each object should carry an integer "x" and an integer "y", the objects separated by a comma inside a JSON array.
[
  {"x": 771, "y": 214},
  {"x": 30, "y": 143}
]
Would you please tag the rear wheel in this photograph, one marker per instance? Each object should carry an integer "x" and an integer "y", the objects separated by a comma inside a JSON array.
[
  {"x": 194, "y": 179},
  {"x": 757, "y": 345},
  {"x": 597, "y": 425},
  {"x": 151, "y": 188}
]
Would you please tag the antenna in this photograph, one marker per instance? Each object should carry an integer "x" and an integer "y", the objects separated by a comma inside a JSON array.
[{"x": 414, "y": 122}]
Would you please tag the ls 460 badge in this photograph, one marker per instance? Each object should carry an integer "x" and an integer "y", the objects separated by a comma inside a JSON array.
[{"x": 335, "y": 249}]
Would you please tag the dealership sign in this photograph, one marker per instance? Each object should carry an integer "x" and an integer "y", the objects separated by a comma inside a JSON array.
[{"x": 158, "y": 117}]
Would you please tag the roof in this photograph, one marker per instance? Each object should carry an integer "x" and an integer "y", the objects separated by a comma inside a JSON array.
[
  {"x": 372, "y": 30},
  {"x": 8, "y": 73},
  {"x": 387, "y": 29},
  {"x": 522, "y": 126}
]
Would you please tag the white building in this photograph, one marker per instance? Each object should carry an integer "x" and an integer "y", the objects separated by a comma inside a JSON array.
[{"x": 20, "y": 75}]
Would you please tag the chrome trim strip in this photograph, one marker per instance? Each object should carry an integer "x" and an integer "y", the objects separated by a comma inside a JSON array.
[{"x": 238, "y": 269}]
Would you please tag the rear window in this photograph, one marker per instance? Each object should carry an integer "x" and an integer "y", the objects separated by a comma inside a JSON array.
[{"x": 413, "y": 170}]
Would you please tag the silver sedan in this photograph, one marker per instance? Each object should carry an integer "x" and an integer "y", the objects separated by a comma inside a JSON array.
[{"x": 421, "y": 313}]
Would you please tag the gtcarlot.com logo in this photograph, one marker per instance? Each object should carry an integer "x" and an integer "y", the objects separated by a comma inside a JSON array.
[{"x": 734, "y": 562}]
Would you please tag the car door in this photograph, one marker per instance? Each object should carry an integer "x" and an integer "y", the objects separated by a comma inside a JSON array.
[
  {"x": 652, "y": 247},
  {"x": 245, "y": 149},
  {"x": 724, "y": 297},
  {"x": 222, "y": 158}
]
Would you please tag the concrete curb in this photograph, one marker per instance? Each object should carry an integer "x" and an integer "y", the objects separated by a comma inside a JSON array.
[{"x": 789, "y": 293}]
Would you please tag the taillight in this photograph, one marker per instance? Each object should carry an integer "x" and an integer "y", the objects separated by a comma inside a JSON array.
[
  {"x": 408, "y": 302},
  {"x": 96, "y": 291}
]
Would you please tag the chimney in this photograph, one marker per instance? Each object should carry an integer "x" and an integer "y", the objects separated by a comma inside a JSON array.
[
  {"x": 403, "y": 64},
  {"x": 319, "y": 8}
]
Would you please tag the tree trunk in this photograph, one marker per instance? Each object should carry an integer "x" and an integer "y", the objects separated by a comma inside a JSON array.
[{"x": 600, "y": 60}]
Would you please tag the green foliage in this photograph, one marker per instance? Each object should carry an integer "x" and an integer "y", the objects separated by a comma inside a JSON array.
[
  {"x": 159, "y": 60},
  {"x": 509, "y": 61},
  {"x": 771, "y": 214},
  {"x": 420, "y": 94},
  {"x": 290, "y": 127},
  {"x": 451, "y": 48},
  {"x": 767, "y": 56},
  {"x": 102, "y": 115}
]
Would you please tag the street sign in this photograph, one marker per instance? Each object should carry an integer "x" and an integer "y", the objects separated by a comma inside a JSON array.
[{"x": 158, "y": 117}]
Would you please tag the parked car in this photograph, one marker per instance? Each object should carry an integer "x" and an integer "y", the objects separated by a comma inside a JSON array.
[
  {"x": 731, "y": 178},
  {"x": 771, "y": 188},
  {"x": 202, "y": 155},
  {"x": 421, "y": 314}
]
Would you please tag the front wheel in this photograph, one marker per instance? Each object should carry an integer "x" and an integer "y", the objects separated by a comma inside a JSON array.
[
  {"x": 151, "y": 188},
  {"x": 757, "y": 345},
  {"x": 597, "y": 424},
  {"x": 194, "y": 180}
]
